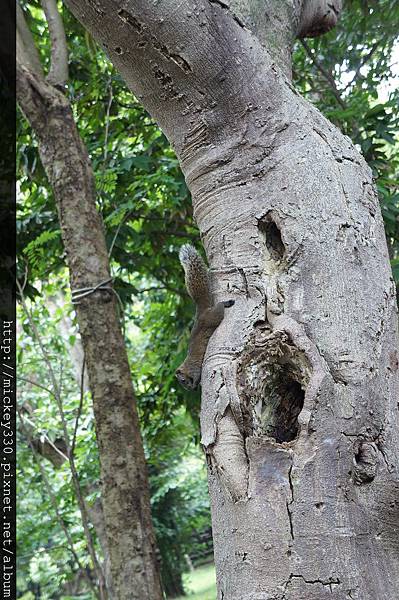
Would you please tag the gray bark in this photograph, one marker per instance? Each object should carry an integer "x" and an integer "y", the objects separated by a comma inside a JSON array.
[
  {"x": 58, "y": 72},
  {"x": 26, "y": 50},
  {"x": 125, "y": 490},
  {"x": 300, "y": 382}
]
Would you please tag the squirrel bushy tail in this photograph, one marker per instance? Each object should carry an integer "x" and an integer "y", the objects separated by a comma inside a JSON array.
[
  {"x": 209, "y": 315},
  {"x": 196, "y": 276}
]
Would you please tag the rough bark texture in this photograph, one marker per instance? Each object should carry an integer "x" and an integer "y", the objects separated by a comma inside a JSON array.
[
  {"x": 125, "y": 495},
  {"x": 300, "y": 381},
  {"x": 276, "y": 24}
]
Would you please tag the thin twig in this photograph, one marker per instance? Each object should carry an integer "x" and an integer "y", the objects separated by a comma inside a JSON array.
[
  {"x": 78, "y": 414},
  {"x": 105, "y": 156},
  {"x": 25, "y": 276},
  {"x": 42, "y": 387},
  {"x": 166, "y": 286},
  {"x": 47, "y": 439},
  {"x": 136, "y": 215},
  {"x": 39, "y": 341},
  {"x": 107, "y": 120},
  {"x": 123, "y": 220},
  {"x": 151, "y": 289},
  {"x": 53, "y": 500},
  {"x": 61, "y": 375},
  {"x": 325, "y": 73},
  {"x": 82, "y": 507},
  {"x": 363, "y": 62}
]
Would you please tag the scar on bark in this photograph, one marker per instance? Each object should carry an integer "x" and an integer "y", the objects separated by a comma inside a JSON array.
[
  {"x": 318, "y": 17},
  {"x": 227, "y": 456},
  {"x": 365, "y": 462}
]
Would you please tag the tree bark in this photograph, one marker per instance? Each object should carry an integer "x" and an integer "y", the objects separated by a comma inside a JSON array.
[
  {"x": 300, "y": 382},
  {"x": 125, "y": 492}
]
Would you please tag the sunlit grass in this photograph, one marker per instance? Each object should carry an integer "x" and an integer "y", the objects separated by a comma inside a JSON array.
[{"x": 200, "y": 584}]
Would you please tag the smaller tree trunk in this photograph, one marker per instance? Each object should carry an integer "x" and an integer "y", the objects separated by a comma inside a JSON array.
[{"x": 125, "y": 492}]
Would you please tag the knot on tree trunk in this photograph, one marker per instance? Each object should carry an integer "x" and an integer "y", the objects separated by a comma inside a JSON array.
[
  {"x": 365, "y": 461},
  {"x": 318, "y": 17}
]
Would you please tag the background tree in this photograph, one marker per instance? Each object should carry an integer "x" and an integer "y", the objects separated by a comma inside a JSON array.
[{"x": 125, "y": 493}]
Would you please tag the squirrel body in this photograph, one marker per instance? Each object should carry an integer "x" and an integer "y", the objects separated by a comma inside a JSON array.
[{"x": 208, "y": 315}]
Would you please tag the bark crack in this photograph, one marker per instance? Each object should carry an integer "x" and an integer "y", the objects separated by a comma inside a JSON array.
[
  {"x": 290, "y": 502},
  {"x": 147, "y": 37},
  {"x": 226, "y": 6},
  {"x": 332, "y": 581}
]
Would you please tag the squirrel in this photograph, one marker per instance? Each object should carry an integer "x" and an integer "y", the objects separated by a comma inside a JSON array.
[{"x": 208, "y": 315}]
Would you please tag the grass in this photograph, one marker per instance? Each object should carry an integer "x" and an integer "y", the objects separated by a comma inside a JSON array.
[{"x": 200, "y": 584}]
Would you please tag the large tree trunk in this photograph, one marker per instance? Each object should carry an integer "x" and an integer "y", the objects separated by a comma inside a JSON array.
[
  {"x": 300, "y": 382},
  {"x": 125, "y": 492}
]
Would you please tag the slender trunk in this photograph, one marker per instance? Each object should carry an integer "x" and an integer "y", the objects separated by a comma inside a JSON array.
[
  {"x": 125, "y": 494},
  {"x": 94, "y": 511},
  {"x": 300, "y": 382}
]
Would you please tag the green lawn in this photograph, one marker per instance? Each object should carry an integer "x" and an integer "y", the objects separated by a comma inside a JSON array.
[{"x": 200, "y": 584}]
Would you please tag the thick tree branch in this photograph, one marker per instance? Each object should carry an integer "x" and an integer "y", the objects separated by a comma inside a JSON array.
[
  {"x": 276, "y": 24},
  {"x": 58, "y": 73},
  {"x": 273, "y": 23},
  {"x": 27, "y": 53}
]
